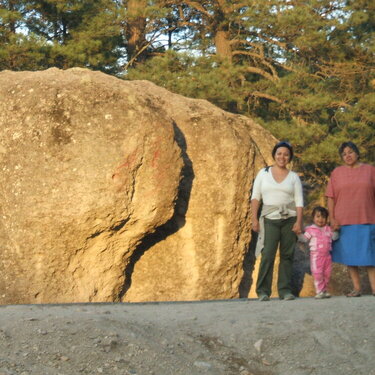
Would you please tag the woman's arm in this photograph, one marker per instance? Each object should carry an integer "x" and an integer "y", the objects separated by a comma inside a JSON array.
[
  {"x": 254, "y": 214},
  {"x": 298, "y": 200},
  {"x": 331, "y": 210},
  {"x": 256, "y": 197},
  {"x": 297, "y": 227}
]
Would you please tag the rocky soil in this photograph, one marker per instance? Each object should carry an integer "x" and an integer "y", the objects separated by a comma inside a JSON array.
[{"x": 242, "y": 337}]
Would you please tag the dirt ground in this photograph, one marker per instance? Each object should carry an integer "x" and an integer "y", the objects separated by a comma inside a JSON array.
[{"x": 242, "y": 337}]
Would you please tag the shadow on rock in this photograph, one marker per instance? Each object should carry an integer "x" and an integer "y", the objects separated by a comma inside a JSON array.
[{"x": 178, "y": 219}]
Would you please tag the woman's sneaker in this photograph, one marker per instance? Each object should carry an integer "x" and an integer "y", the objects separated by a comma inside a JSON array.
[
  {"x": 326, "y": 295},
  {"x": 263, "y": 298},
  {"x": 289, "y": 297}
]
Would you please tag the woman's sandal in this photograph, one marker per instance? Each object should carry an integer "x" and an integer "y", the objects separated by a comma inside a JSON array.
[{"x": 354, "y": 293}]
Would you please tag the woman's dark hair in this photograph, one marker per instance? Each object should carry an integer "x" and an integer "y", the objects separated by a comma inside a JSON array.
[
  {"x": 350, "y": 145},
  {"x": 283, "y": 144},
  {"x": 323, "y": 211}
]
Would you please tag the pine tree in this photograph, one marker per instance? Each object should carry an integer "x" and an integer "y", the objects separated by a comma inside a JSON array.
[
  {"x": 81, "y": 33},
  {"x": 304, "y": 69},
  {"x": 18, "y": 51}
]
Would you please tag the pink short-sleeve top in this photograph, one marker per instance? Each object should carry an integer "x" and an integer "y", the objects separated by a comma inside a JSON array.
[{"x": 353, "y": 192}]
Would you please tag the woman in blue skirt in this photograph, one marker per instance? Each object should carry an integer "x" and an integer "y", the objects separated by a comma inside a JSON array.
[{"x": 351, "y": 205}]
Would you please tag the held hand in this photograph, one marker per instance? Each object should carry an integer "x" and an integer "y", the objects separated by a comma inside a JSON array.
[
  {"x": 297, "y": 228},
  {"x": 334, "y": 224},
  {"x": 256, "y": 226}
]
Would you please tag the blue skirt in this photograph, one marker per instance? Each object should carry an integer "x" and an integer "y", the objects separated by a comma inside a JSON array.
[{"x": 355, "y": 246}]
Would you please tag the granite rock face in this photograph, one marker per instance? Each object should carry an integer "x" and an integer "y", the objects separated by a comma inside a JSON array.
[
  {"x": 89, "y": 167},
  {"x": 122, "y": 191}
]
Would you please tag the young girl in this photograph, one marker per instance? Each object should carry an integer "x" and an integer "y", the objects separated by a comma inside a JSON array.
[{"x": 320, "y": 236}]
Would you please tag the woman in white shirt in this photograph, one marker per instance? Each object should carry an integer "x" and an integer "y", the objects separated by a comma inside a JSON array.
[{"x": 280, "y": 191}]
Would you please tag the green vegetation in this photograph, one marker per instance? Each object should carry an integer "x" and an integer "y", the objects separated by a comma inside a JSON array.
[{"x": 304, "y": 69}]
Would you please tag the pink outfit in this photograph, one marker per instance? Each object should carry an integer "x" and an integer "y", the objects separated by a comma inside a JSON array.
[
  {"x": 320, "y": 242},
  {"x": 352, "y": 190}
]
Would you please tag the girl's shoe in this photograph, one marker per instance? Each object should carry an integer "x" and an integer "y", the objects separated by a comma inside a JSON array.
[
  {"x": 320, "y": 295},
  {"x": 326, "y": 295},
  {"x": 354, "y": 293}
]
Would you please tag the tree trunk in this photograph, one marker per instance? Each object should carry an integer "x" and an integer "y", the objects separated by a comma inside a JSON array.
[
  {"x": 135, "y": 31},
  {"x": 222, "y": 44}
]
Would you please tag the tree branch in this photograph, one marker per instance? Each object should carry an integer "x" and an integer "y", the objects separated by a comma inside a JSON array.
[
  {"x": 259, "y": 94},
  {"x": 197, "y": 6},
  {"x": 244, "y": 41},
  {"x": 270, "y": 77},
  {"x": 229, "y": 8}
]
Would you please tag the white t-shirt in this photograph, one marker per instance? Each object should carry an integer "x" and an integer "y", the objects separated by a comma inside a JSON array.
[{"x": 276, "y": 194}]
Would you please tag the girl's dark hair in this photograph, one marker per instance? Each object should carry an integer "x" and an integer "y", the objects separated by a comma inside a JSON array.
[
  {"x": 283, "y": 144},
  {"x": 350, "y": 145},
  {"x": 323, "y": 211}
]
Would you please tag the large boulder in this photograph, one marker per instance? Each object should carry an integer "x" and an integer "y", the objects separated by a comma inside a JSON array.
[{"x": 122, "y": 191}]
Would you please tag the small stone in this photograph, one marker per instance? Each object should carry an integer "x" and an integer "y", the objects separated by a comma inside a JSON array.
[
  {"x": 265, "y": 362},
  {"x": 246, "y": 372},
  {"x": 109, "y": 345},
  {"x": 258, "y": 345},
  {"x": 202, "y": 364}
]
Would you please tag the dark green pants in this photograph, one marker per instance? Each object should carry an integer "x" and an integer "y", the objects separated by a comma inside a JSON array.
[{"x": 277, "y": 232}]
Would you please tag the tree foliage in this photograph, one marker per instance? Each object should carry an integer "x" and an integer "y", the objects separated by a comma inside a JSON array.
[
  {"x": 302, "y": 68},
  {"x": 63, "y": 34}
]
